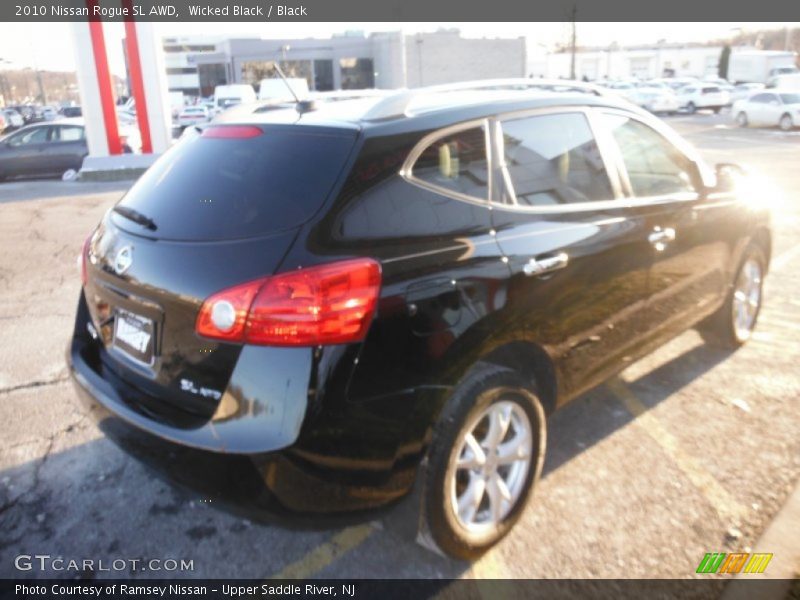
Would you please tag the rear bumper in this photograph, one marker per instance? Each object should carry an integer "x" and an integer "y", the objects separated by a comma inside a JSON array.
[
  {"x": 248, "y": 420},
  {"x": 342, "y": 457}
]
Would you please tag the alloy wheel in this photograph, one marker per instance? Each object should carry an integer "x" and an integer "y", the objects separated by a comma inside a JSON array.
[
  {"x": 746, "y": 299},
  {"x": 487, "y": 474}
]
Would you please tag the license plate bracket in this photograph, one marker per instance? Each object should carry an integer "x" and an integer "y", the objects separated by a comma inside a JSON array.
[{"x": 134, "y": 336}]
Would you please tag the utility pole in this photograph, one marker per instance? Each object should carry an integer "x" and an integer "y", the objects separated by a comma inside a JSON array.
[
  {"x": 573, "y": 44},
  {"x": 5, "y": 90},
  {"x": 41, "y": 86},
  {"x": 419, "y": 58}
]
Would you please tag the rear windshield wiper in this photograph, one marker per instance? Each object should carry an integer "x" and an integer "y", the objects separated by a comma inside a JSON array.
[{"x": 136, "y": 217}]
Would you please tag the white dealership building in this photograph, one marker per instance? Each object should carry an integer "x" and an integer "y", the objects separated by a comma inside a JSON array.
[{"x": 352, "y": 60}]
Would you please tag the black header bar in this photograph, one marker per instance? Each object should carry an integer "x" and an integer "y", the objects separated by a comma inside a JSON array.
[{"x": 263, "y": 11}]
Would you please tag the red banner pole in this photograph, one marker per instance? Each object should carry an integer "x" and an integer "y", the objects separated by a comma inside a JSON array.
[
  {"x": 104, "y": 81},
  {"x": 137, "y": 79}
]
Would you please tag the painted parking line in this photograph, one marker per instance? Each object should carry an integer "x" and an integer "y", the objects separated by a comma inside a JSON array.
[
  {"x": 722, "y": 502},
  {"x": 324, "y": 554},
  {"x": 489, "y": 566}
]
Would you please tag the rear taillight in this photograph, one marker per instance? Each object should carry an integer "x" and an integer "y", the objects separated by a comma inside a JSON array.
[
  {"x": 326, "y": 304},
  {"x": 82, "y": 259}
]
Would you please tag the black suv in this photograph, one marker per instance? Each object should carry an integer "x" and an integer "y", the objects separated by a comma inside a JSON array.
[{"x": 327, "y": 297}]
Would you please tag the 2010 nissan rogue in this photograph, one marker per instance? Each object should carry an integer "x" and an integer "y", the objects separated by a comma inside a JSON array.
[{"x": 338, "y": 293}]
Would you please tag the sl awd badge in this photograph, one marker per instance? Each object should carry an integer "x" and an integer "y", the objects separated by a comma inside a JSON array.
[{"x": 123, "y": 260}]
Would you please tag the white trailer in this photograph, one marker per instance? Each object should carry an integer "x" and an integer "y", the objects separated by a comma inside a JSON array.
[{"x": 759, "y": 66}]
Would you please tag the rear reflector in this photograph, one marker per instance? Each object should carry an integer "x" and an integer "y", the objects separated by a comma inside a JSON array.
[
  {"x": 327, "y": 304},
  {"x": 231, "y": 131}
]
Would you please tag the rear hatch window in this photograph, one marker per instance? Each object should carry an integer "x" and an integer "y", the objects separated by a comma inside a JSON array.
[{"x": 215, "y": 188}]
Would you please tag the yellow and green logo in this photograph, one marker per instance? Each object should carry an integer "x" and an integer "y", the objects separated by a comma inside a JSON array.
[{"x": 736, "y": 562}]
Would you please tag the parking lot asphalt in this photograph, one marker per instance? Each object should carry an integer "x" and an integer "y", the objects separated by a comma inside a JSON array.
[{"x": 690, "y": 450}]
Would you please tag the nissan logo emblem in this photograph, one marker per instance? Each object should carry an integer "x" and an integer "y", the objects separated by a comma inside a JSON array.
[{"x": 123, "y": 260}]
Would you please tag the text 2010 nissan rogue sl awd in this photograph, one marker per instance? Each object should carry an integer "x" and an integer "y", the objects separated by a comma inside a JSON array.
[{"x": 350, "y": 297}]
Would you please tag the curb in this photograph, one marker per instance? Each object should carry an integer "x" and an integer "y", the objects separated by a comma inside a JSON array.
[{"x": 782, "y": 540}]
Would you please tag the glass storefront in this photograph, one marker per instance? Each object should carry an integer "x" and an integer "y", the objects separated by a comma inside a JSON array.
[
  {"x": 211, "y": 76},
  {"x": 357, "y": 73}
]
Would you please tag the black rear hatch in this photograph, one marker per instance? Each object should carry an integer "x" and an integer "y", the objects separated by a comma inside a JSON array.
[{"x": 215, "y": 211}]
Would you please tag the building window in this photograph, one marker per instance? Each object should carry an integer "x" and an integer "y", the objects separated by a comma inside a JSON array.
[
  {"x": 323, "y": 75},
  {"x": 210, "y": 76},
  {"x": 357, "y": 73},
  {"x": 253, "y": 71}
]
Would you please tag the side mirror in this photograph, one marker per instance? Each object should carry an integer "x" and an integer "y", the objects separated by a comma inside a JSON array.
[{"x": 728, "y": 174}]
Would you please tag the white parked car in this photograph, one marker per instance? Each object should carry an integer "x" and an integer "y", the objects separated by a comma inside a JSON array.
[
  {"x": 702, "y": 95},
  {"x": 192, "y": 115},
  {"x": 622, "y": 88},
  {"x": 775, "y": 107},
  {"x": 13, "y": 120},
  {"x": 744, "y": 90},
  {"x": 677, "y": 83},
  {"x": 49, "y": 113},
  {"x": 125, "y": 116},
  {"x": 786, "y": 81},
  {"x": 130, "y": 137},
  {"x": 279, "y": 89},
  {"x": 655, "y": 99},
  {"x": 226, "y": 96}
]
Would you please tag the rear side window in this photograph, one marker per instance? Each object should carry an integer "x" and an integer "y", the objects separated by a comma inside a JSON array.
[
  {"x": 69, "y": 134},
  {"x": 225, "y": 188},
  {"x": 456, "y": 163},
  {"x": 554, "y": 159},
  {"x": 655, "y": 167},
  {"x": 710, "y": 90}
]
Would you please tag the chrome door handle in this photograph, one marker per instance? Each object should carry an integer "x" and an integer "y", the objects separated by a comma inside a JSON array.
[
  {"x": 661, "y": 236},
  {"x": 540, "y": 266}
]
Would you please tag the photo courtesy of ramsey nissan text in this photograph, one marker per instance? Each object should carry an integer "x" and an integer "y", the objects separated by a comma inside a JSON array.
[{"x": 399, "y": 300}]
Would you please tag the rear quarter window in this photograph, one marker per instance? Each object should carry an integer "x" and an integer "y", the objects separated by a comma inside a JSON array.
[
  {"x": 220, "y": 188},
  {"x": 456, "y": 163}
]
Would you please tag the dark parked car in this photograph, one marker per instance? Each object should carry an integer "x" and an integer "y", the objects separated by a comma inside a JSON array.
[
  {"x": 39, "y": 150},
  {"x": 70, "y": 111},
  {"x": 305, "y": 306}
]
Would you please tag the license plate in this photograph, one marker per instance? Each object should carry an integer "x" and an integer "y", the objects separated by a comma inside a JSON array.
[{"x": 133, "y": 335}]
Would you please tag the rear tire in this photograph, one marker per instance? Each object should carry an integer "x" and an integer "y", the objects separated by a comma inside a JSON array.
[
  {"x": 741, "y": 119},
  {"x": 786, "y": 123},
  {"x": 691, "y": 108},
  {"x": 717, "y": 109},
  {"x": 733, "y": 324},
  {"x": 485, "y": 457}
]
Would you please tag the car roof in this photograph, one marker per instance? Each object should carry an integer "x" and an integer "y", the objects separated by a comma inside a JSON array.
[{"x": 432, "y": 111}]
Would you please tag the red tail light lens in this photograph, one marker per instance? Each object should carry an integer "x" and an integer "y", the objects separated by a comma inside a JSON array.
[{"x": 327, "y": 304}]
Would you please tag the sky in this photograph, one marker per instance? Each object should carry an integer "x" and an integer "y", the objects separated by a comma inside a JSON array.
[{"x": 48, "y": 45}]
